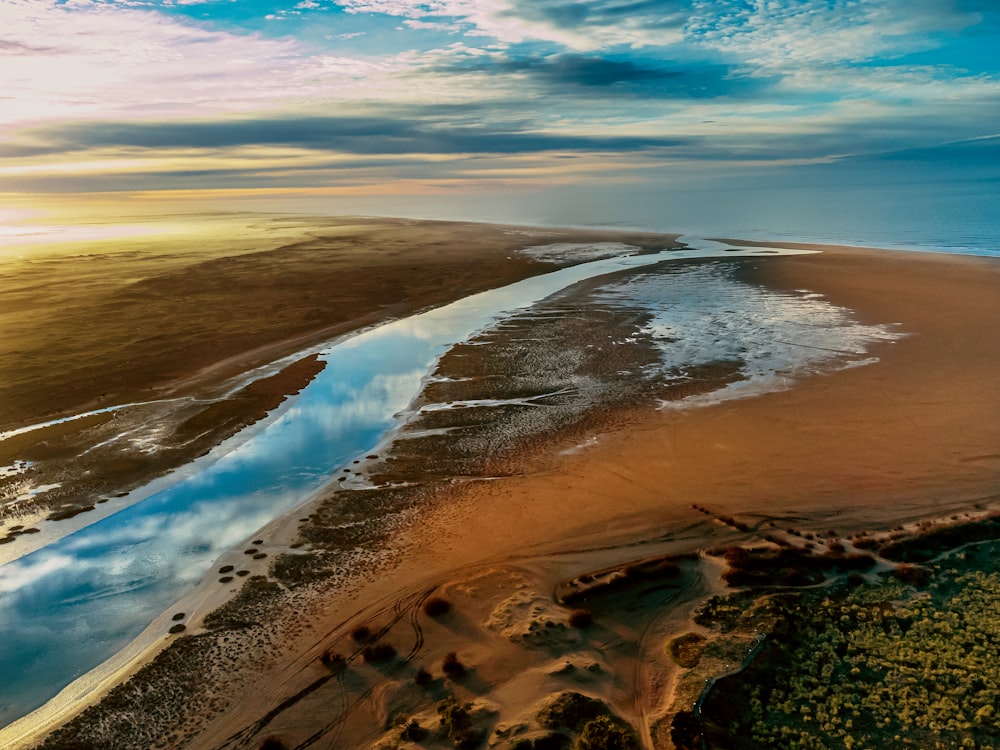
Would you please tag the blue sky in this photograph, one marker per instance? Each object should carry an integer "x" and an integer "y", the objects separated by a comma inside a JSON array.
[{"x": 319, "y": 99}]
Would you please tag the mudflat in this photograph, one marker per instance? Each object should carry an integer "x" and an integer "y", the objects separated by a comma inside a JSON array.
[
  {"x": 305, "y": 658},
  {"x": 175, "y": 328}
]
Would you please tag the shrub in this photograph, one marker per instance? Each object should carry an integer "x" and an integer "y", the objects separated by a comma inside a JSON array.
[
  {"x": 333, "y": 660},
  {"x": 413, "y": 732},
  {"x": 571, "y": 710},
  {"x": 685, "y": 650},
  {"x": 361, "y": 633},
  {"x": 452, "y": 667},
  {"x": 436, "y": 607},
  {"x": 685, "y": 731},
  {"x": 273, "y": 743},
  {"x": 581, "y": 618},
  {"x": 604, "y": 733},
  {"x": 379, "y": 652},
  {"x": 457, "y": 722},
  {"x": 912, "y": 574},
  {"x": 423, "y": 677}
]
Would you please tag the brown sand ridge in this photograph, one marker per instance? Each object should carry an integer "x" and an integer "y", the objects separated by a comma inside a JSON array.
[{"x": 293, "y": 655}]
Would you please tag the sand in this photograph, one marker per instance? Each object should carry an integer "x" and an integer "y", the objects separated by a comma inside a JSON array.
[
  {"x": 910, "y": 437},
  {"x": 177, "y": 328}
]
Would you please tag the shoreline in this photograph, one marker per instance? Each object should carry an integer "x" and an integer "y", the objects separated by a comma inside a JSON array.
[
  {"x": 145, "y": 646},
  {"x": 174, "y": 373},
  {"x": 479, "y": 515}
]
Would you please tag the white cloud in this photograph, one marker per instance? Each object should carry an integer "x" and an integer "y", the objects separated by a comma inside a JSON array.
[
  {"x": 14, "y": 576},
  {"x": 90, "y": 60},
  {"x": 784, "y": 34}
]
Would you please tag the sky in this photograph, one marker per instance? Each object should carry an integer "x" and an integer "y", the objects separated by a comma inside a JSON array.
[{"x": 473, "y": 103}]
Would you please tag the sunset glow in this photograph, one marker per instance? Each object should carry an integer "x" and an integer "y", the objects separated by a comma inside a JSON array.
[{"x": 157, "y": 96}]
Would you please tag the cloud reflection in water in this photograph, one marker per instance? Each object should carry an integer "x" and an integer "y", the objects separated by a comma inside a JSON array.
[{"x": 69, "y": 606}]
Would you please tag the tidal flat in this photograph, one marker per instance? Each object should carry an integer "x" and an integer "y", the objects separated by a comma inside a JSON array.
[{"x": 566, "y": 442}]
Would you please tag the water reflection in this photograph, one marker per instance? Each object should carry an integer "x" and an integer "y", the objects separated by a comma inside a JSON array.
[
  {"x": 702, "y": 315},
  {"x": 99, "y": 587}
]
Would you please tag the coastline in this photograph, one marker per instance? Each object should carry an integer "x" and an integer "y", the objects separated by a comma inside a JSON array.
[
  {"x": 192, "y": 367},
  {"x": 647, "y": 468}
]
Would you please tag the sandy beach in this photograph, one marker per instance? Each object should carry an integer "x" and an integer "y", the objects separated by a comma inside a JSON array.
[{"x": 908, "y": 437}]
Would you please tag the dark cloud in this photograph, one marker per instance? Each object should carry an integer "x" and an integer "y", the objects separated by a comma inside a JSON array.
[
  {"x": 583, "y": 74},
  {"x": 354, "y": 135}
]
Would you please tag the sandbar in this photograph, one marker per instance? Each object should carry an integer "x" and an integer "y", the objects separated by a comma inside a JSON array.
[{"x": 910, "y": 436}]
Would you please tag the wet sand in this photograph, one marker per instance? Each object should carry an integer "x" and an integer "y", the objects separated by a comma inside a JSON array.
[
  {"x": 177, "y": 331},
  {"x": 868, "y": 447}
]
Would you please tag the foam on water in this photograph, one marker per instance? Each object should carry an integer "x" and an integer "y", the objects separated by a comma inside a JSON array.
[{"x": 702, "y": 315}]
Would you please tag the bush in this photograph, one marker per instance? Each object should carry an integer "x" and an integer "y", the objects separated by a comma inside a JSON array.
[
  {"x": 273, "y": 743},
  {"x": 685, "y": 650},
  {"x": 912, "y": 574},
  {"x": 413, "y": 732},
  {"x": 361, "y": 634},
  {"x": 604, "y": 733},
  {"x": 452, "y": 667},
  {"x": 571, "y": 710},
  {"x": 333, "y": 660},
  {"x": 685, "y": 731},
  {"x": 436, "y": 607},
  {"x": 581, "y": 618},
  {"x": 457, "y": 722},
  {"x": 423, "y": 677},
  {"x": 379, "y": 652}
]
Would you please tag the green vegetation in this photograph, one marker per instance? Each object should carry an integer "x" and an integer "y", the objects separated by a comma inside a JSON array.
[
  {"x": 571, "y": 711},
  {"x": 685, "y": 650},
  {"x": 929, "y": 544},
  {"x": 605, "y": 733},
  {"x": 333, "y": 661},
  {"x": 900, "y": 664},
  {"x": 456, "y": 723},
  {"x": 423, "y": 677}
]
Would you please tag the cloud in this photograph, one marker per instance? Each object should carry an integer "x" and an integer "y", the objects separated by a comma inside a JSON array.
[
  {"x": 582, "y": 25},
  {"x": 590, "y": 74},
  {"x": 9, "y": 47},
  {"x": 790, "y": 33},
  {"x": 134, "y": 63},
  {"x": 354, "y": 135},
  {"x": 120, "y": 93}
]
